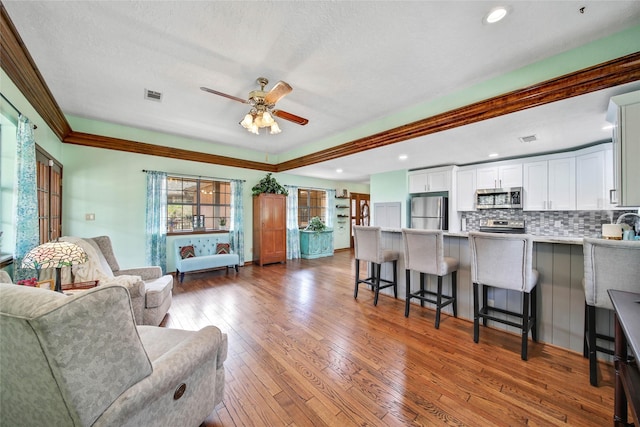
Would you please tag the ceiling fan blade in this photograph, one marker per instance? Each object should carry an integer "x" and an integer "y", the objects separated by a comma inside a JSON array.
[
  {"x": 277, "y": 92},
  {"x": 290, "y": 117},
  {"x": 215, "y": 92}
]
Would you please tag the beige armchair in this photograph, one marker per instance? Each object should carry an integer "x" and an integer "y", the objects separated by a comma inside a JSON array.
[
  {"x": 81, "y": 361},
  {"x": 150, "y": 290}
]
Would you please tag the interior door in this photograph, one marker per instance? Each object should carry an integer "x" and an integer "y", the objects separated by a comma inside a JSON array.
[{"x": 360, "y": 212}]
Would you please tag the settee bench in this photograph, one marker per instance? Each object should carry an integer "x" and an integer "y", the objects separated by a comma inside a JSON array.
[{"x": 206, "y": 256}]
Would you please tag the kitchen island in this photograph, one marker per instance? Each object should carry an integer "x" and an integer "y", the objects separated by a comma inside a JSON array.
[{"x": 559, "y": 260}]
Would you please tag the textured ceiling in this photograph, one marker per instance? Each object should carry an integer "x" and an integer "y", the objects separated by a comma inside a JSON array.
[{"x": 350, "y": 63}]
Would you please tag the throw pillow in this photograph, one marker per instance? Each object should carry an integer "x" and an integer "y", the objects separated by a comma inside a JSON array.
[
  {"x": 187, "y": 252},
  {"x": 222, "y": 248}
]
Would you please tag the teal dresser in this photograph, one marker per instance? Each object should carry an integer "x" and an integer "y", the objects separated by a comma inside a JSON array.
[{"x": 316, "y": 244}]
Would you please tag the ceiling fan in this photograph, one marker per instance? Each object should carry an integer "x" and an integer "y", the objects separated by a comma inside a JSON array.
[{"x": 262, "y": 106}]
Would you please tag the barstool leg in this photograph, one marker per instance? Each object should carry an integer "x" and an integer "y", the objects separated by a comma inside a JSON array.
[
  {"x": 376, "y": 282},
  {"x": 355, "y": 291},
  {"x": 593, "y": 360},
  {"x": 585, "y": 345},
  {"x": 476, "y": 318},
  {"x": 395, "y": 279},
  {"x": 485, "y": 302},
  {"x": 454, "y": 292},
  {"x": 439, "y": 302},
  {"x": 525, "y": 324},
  {"x": 408, "y": 292},
  {"x": 422, "y": 280},
  {"x": 534, "y": 314}
]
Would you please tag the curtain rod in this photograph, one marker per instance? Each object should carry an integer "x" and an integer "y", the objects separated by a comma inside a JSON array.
[
  {"x": 16, "y": 109},
  {"x": 197, "y": 176},
  {"x": 311, "y": 188}
]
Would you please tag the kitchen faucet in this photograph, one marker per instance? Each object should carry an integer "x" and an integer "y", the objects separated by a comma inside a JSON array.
[{"x": 619, "y": 220}]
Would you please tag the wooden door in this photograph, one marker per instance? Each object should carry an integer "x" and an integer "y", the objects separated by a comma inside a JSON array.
[
  {"x": 269, "y": 229},
  {"x": 360, "y": 212}
]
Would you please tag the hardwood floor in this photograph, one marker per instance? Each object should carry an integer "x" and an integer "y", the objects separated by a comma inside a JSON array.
[{"x": 304, "y": 352}]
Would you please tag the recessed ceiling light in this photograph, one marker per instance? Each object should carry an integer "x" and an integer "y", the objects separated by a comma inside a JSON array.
[
  {"x": 403, "y": 157},
  {"x": 496, "y": 14},
  {"x": 339, "y": 170},
  {"x": 493, "y": 155}
]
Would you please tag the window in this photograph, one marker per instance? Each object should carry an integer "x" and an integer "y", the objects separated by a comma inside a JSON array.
[
  {"x": 49, "y": 185},
  {"x": 197, "y": 205},
  {"x": 311, "y": 203}
]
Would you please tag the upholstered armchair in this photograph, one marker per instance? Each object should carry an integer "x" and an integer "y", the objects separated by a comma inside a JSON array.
[
  {"x": 150, "y": 290},
  {"x": 81, "y": 361}
]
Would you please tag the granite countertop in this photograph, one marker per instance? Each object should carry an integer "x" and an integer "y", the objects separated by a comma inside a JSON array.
[{"x": 537, "y": 239}]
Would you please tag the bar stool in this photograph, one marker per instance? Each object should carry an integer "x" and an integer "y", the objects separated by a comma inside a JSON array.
[
  {"x": 504, "y": 261},
  {"x": 424, "y": 252},
  {"x": 608, "y": 264},
  {"x": 368, "y": 247}
]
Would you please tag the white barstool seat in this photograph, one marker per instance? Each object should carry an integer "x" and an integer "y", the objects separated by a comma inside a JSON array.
[
  {"x": 368, "y": 248},
  {"x": 504, "y": 261},
  {"x": 424, "y": 253},
  {"x": 608, "y": 264}
]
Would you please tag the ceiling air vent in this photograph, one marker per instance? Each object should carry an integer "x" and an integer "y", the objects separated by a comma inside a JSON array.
[
  {"x": 528, "y": 138},
  {"x": 152, "y": 95}
]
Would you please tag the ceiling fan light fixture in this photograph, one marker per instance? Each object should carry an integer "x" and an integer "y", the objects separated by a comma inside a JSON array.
[
  {"x": 247, "y": 122},
  {"x": 275, "y": 129}
]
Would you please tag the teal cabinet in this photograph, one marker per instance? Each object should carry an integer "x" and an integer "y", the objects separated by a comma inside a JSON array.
[{"x": 316, "y": 244}]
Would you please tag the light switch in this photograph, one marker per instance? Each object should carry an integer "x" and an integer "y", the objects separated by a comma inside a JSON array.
[{"x": 90, "y": 217}]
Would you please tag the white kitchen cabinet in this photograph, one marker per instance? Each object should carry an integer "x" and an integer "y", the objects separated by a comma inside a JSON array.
[
  {"x": 503, "y": 176},
  {"x": 591, "y": 191},
  {"x": 466, "y": 190},
  {"x": 550, "y": 185},
  {"x": 430, "y": 180},
  {"x": 624, "y": 113}
]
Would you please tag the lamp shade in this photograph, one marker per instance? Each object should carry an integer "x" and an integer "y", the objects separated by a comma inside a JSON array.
[{"x": 54, "y": 255}]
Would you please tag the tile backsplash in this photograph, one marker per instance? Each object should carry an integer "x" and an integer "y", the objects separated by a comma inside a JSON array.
[{"x": 551, "y": 223}]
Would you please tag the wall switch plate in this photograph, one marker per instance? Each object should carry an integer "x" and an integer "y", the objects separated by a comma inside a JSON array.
[
  {"x": 90, "y": 217},
  {"x": 491, "y": 302}
]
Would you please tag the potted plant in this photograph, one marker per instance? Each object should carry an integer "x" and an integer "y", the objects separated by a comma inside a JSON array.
[
  {"x": 268, "y": 184},
  {"x": 223, "y": 222},
  {"x": 315, "y": 224}
]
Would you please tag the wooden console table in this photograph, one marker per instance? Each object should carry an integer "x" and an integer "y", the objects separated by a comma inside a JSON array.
[{"x": 627, "y": 333}]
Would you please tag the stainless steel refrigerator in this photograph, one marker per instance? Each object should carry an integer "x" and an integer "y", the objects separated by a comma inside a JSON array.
[{"x": 429, "y": 212}]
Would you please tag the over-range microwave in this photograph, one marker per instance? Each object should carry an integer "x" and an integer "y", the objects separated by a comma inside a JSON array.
[{"x": 499, "y": 198}]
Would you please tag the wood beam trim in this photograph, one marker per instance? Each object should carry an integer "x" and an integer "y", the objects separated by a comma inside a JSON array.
[
  {"x": 22, "y": 70},
  {"x": 602, "y": 76},
  {"x": 97, "y": 141}
]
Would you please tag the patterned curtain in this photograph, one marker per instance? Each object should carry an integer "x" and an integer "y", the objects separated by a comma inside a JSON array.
[
  {"x": 236, "y": 228},
  {"x": 26, "y": 200},
  {"x": 156, "y": 232},
  {"x": 293, "y": 233},
  {"x": 331, "y": 207}
]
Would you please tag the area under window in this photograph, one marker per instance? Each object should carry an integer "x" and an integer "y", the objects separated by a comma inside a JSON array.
[
  {"x": 196, "y": 205},
  {"x": 311, "y": 203}
]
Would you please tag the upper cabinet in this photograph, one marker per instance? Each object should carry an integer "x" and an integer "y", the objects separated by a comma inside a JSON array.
[
  {"x": 624, "y": 113},
  {"x": 550, "y": 185},
  {"x": 430, "y": 180},
  {"x": 466, "y": 189},
  {"x": 503, "y": 176},
  {"x": 594, "y": 179}
]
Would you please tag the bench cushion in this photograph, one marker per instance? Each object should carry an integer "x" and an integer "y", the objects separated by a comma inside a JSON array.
[{"x": 208, "y": 261}]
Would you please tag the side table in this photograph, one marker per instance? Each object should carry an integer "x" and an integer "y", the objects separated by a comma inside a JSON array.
[
  {"x": 72, "y": 288},
  {"x": 627, "y": 334}
]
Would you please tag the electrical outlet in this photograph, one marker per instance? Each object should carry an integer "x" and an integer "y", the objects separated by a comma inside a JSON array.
[{"x": 557, "y": 223}]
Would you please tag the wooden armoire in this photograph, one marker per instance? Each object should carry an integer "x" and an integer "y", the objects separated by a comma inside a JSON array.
[{"x": 269, "y": 228}]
